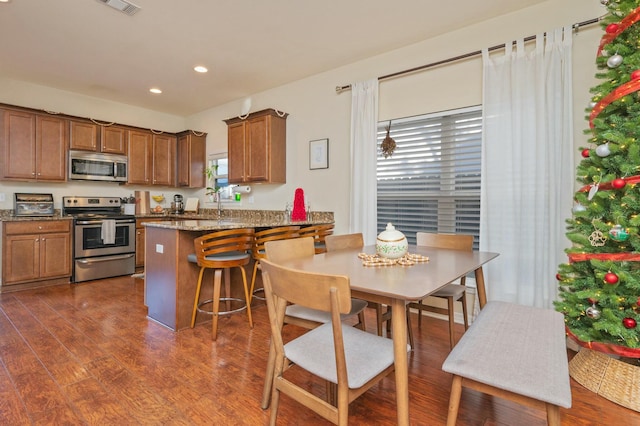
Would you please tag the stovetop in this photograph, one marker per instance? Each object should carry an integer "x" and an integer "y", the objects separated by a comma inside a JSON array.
[{"x": 93, "y": 208}]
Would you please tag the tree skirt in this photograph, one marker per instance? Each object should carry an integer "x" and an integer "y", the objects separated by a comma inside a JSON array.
[{"x": 608, "y": 377}]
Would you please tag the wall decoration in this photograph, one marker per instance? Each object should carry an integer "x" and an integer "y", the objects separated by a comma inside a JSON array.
[{"x": 319, "y": 154}]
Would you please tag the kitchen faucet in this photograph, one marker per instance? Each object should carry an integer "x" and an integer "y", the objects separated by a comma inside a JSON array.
[{"x": 219, "y": 205}]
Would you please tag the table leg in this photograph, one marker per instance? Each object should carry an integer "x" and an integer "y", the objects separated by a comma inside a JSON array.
[
  {"x": 399, "y": 329},
  {"x": 482, "y": 292}
]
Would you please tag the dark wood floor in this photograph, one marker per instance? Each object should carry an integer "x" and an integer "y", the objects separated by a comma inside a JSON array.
[{"x": 87, "y": 354}]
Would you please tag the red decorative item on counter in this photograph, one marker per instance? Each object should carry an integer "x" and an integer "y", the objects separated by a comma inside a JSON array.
[{"x": 298, "y": 212}]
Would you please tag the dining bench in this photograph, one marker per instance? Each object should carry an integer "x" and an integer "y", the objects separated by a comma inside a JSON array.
[{"x": 513, "y": 352}]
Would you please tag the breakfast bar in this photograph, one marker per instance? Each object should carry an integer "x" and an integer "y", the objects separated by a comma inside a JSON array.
[{"x": 170, "y": 279}]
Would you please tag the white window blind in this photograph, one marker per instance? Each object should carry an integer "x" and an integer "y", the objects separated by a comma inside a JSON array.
[{"x": 431, "y": 183}]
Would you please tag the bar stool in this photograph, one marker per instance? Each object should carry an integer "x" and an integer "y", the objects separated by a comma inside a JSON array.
[
  {"x": 258, "y": 251},
  {"x": 319, "y": 233},
  {"x": 221, "y": 251}
]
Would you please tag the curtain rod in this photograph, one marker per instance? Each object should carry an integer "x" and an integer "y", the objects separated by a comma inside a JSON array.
[{"x": 575, "y": 27}]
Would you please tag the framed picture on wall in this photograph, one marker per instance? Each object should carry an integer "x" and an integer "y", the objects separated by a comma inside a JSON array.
[{"x": 319, "y": 154}]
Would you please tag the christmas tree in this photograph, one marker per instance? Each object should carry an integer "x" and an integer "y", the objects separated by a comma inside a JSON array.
[{"x": 600, "y": 283}]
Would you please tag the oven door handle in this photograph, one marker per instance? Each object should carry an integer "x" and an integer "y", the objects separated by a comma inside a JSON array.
[
  {"x": 99, "y": 222},
  {"x": 104, "y": 258}
]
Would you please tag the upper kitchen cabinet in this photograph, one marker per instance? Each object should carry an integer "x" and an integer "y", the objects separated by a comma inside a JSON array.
[
  {"x": 257, "y": 147},
  {"x": 34, "y": 146},
  {"x": 151, "y": 158},
  {"x": 192, "y": 147},
  {"x": 90, "y": 136}
]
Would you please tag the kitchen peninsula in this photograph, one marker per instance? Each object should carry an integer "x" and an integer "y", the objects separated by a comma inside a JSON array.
[{"x": 170, "y": 279}]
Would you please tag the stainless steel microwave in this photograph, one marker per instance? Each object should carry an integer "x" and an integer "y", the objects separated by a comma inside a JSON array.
[{"x": 97, "y": 166}]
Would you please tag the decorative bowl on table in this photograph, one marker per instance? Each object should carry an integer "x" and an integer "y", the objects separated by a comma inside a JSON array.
[{"x": 391, "y": 243}]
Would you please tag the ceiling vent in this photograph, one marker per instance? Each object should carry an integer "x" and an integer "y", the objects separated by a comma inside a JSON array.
[{"x": 122, "y": 5}]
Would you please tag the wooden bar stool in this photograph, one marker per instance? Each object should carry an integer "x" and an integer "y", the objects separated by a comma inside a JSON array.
[
  {"x": 221, "y": 251},
  {"x": 258, "y": 252},
  {"x": 319, "y": 233}
]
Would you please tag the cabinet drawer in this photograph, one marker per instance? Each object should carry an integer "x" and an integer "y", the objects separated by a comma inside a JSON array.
[{"x": 37, "y": 227}]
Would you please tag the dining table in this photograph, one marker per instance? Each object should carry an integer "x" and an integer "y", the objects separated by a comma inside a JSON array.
[{"x": 396, "y": 285}]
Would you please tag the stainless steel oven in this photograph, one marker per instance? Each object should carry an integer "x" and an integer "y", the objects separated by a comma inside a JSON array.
[{"x": 103, "y": 238}]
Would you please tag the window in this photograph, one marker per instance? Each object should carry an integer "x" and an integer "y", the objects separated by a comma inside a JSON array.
[
  {"x": 431, "y": 183},
  {"x": 218, "y": 179}
]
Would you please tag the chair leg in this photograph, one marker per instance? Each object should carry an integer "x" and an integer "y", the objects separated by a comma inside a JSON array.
[
  {"x": 463, "y": 299},
  {"x": 217, "y": 282},
  {"x": 195, "y": 302},
  {"x": 420, "y": 314},
  {"x": 247, "y": 296},
  {"x": 253, "y": 278},
  {"x": 268, "y": 377},
  {"x": 409, "y": 329},
  {"x": 379, "y": 320},
  {"x": 454, "y": 400},
  {"x": 452, "y": 337},
  {"x": 361, "y": 324}
]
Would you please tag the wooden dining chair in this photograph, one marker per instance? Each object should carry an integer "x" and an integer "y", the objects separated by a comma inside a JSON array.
[
  {"x": 221, "y": 251},
  {"x": 319, "y": 234},
  {"x": 451, "y": 292},
  {"x": 333, "y": 351},
  {"x": 283, "y": 250},
  {"x": 258, "y": 252}
]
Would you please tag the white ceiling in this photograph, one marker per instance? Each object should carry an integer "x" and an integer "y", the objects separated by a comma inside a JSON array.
[{"x": 86, "y": 47}]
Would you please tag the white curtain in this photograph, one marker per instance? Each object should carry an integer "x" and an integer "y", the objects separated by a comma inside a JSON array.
[
  {"x": 527, "y": 167},
  {"x": 364, "y": 123}
]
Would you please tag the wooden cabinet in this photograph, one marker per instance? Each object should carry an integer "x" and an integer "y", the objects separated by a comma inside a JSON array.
[
  {"x": 192, "y": 148},
  {"x": 164, "y": 159},
  {"x": 257, "y": 147},
  {"x": 90, "y": 136},
  {"x": 140, "y": 237},
  {"x": 151, "y": 158},
  {"x": 35, "y": 251},
  {"x": 34, "y": 146}
]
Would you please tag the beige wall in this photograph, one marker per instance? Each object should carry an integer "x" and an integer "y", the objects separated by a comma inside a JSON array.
[{"x": 316, "y": 111}]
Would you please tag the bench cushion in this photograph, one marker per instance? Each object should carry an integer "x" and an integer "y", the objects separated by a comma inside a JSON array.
[{"x": 517, "y": 348}]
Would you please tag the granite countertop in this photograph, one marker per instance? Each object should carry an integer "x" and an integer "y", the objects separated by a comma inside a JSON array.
[
  {"x": 205, "y": 219},
  {"x": 215, "y": 224}
]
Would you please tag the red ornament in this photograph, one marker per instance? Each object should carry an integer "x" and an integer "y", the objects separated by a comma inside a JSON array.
[
  {"x": 612, "y": 28},
  {"x": 635, "y": 75},
  {"x": 559, "y": 278},
  {"x": 638, "y": 301},
  {"x": 592, "y": 301},
  {"x": 610, "y": 278},
  {"x": 585, "y": 152},
  {"x": 629, "y": 323},
  {"x": 618, "y": 183},
  {"x": 298, "y": 212}
]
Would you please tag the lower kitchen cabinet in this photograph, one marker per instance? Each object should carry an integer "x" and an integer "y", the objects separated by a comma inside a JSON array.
[
  {"x": 140, "y": 234},
  {"x": 36, "y": 252}
]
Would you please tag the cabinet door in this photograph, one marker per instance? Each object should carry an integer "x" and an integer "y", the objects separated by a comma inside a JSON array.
[
  {"x": 140, "y": 147},
  {"x": 18, "y": 145},
  {"x": 51, "y": 148},
  {"x": 164, "y": 160},
  {"x": 236, "y": 152},
  {"x": 21, "y": 258},
  {"x": 83, "y": 136},
  {"x": 55, "y": 255},
  {"x": 113, "y": 140},
  {"x": 140, "y": 233},
  {"x": 257, "y": 150},
  {"x": 191, "y": 161}
]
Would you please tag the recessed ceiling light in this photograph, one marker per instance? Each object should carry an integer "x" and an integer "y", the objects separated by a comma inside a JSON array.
[
  {"x": 155, "y": 90},
  {"x": 200, "y": 68}
]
